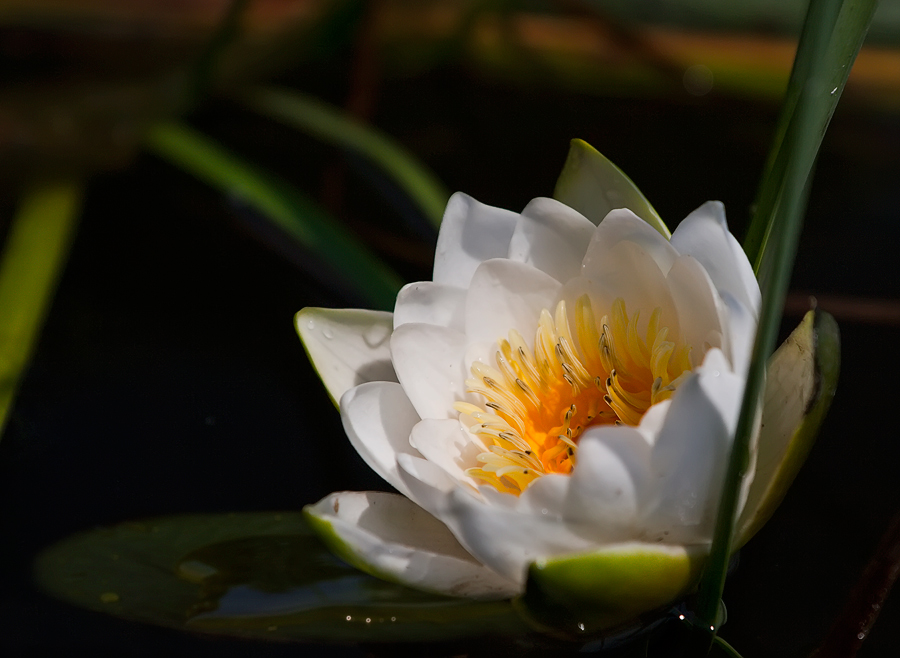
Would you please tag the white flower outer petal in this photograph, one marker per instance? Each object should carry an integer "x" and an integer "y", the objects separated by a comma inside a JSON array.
[
  {"x": 347, "y": 347},
  {"x": 445, "y": 444},
  {"x": 624, "y": 226},
  {"x": 704, "y": 235},
  {"x": 391, "y": 538},
  {"x": 471, "y": 233},
  {"x": 378, "y": 418},
  {"x": 551, "y": 237},
  {"x": 431, "y": 303}
]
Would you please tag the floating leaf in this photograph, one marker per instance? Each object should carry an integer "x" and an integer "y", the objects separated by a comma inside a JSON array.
[{"x": 259, "y": 574}]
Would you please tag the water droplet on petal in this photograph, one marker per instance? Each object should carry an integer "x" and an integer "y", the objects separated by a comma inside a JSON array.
[
  {"x": 311, "y": 325},
  {"x": 328, "y": 334}
]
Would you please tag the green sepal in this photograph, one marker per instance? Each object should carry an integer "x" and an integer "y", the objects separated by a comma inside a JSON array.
[
  {"x": 801, "y": 380},
  {"x": 593, "y": 186},
  {"x": 610, "y": 588}
]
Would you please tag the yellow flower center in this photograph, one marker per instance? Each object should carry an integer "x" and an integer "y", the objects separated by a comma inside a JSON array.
[{"x": 538, "y": 402}]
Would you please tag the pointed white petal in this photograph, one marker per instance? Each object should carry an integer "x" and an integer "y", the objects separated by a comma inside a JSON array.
[
  {"x": 700, "y": 311},
  {"x": 445, "y": 444},
  {"x": 391, "y": 538},
  {"x": 347, "y": 347},
  {"x": 471, "y": 232},
  {"x": 431, "y": 303},
  {"x": 429, "y": 364},
  {"x": 704, "y": 235},
  {"x": 551, "y": 237},
  {"x": 506, "y": 540},
  {"x": 690, "y": 454},
  {"x": 507, "y": 295},
  {"x": 378, "y": 418},
  {"x": 624, "y": 226}
]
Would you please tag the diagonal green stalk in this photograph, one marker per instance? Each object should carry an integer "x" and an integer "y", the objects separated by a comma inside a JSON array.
[
  {"x": 847, "y": 24},
  {"x": 285, "y": 206},
  {"x": 799, "y": 147},
  {"x": 332, "y": 125},
  {"x": 34, "y": 255}
]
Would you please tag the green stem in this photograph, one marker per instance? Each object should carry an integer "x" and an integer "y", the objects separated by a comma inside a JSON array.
[
  {"x": 800, "y": 147},
  {"x": 332, "y": 125},
  {"x": 35, "y": 252},
  {"x": 846, "y": 25},
  {"x": 285, "y": 206}
]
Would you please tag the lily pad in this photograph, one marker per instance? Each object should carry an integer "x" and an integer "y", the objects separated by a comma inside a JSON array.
[
  {"x": 593, "y": 186},
  {"x": 260, "y": 574},
  {"x": 801, "y": 381}
]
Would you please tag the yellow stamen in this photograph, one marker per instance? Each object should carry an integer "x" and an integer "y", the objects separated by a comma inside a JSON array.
[{"x": 539, "y": 401}]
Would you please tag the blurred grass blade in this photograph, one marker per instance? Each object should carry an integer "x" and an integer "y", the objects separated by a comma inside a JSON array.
[
  {"x": 847, "y": 25},
  {"x": 800, "y": 147},
  {"x": 33, "y": 257},
  {"x": 333, "y": 125},
  {"x": 286, "y": 207}
]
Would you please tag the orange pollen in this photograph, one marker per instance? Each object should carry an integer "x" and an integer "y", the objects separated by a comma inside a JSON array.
[{"x": 538, "y": 402}]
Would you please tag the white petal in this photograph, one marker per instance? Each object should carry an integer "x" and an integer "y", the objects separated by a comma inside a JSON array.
[
  {"x": 704, "y": 235},
  {"x": 390, "y": 537},
  {"x": 506, "y": 540},
  {"x": 430, "y": 303},
  {"x": 445, "y": 444},
  {"x": 428, "y": 484},
  {"x": 741, "y": 334},
  {"x": 507, "y": 295},
  {"x": 429, "y": 364},
  {"x": 700, "y": 313},
  {"x": 624, "y": 226},
  {"x": 378, "y": 418},
  {"x": 471, "y": 232},
  {"x": 629, "y": 272},
  {"x": 347, "y": 347},
  {"x": 612, "y": 475},
  {"x": 689, "y": 457},
  {"x": 551, "y": 237}
]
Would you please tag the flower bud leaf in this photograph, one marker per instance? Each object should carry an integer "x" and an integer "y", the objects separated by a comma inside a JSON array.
[
  {"x": 612, "y": 586},
  {"x": 593, "y": 186},
  {"x": 347, "y": 347},
  {"x": 801, "y": 380}
]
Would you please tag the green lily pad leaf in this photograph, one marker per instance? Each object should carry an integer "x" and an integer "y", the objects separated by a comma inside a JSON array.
[
  {"x": 610, "y": 588},
  {"x": 260, "y": 574},
  {"x": 593, "y": 186},
  {"x": 347, "y": 347},
  {"x": 801, "y": 379}
]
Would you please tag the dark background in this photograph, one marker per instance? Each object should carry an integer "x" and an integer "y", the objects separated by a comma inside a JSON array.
[{"x": 169, "y": 379}]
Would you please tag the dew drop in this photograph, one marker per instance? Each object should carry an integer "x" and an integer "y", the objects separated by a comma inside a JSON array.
[
  {"x": 328, "y": 334},
  {"x": 311, "y": 325},
  {"x": 834, "y": 91},
  {"x": 349, "y": 618},
  {"x": 861, "y": 636},
  {"x": 580, "y": 626}
]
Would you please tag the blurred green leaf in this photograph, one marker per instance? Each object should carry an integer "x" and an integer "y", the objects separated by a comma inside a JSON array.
[
  {"x": 332, "y": 125},
  {"x": 286, "y": 207},
  {"x": 593, "y": 186},
  {"x": 34, "y": 255},
  {"x": 844, "y": 28},
  {"x": 257, "y": 574}
]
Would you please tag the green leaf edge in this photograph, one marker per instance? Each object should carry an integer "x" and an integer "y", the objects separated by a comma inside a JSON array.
[
  {"x": 825, "y": 340},
  {"x": 581, "y": 156}
]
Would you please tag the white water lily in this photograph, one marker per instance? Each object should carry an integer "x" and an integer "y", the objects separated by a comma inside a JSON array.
[{"x": 559, "y": 389}]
